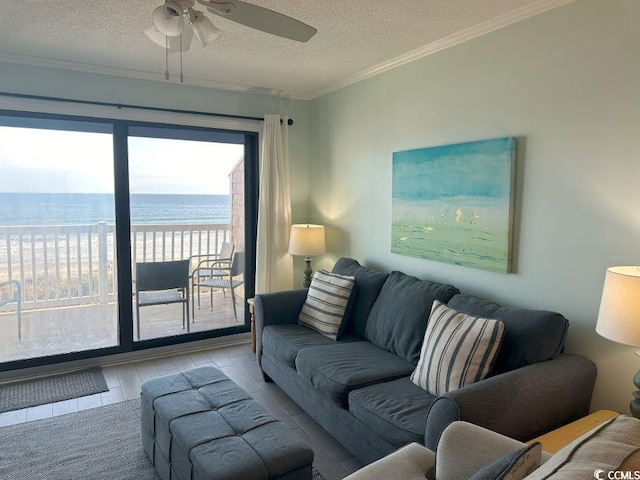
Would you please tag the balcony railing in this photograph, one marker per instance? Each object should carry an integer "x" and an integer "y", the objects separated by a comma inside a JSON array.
[{"x": 75, "y": 264}]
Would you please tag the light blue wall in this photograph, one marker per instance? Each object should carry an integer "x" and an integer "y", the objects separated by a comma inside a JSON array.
[{"x": 567, "y": 84}]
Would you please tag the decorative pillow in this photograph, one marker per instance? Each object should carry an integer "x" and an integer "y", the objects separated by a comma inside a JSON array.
[
  {"x": 325, "y": 308},
  {"x": 530, "y": 336},
  {"x": 369, "y": 282},
  {"x": 457, "y": 350},
  {"x": 399, "y": 317},
  {"x": 513, "y": 466}
]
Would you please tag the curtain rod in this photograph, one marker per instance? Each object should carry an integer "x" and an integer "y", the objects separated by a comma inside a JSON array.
[{"x": 139, "y": 107}]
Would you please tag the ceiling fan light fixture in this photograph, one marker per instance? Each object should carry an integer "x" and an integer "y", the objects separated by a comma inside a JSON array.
[
  {"x": 155, "y": 35},
  {"x": 204, "y": 29},
  {"x": 169, "y": 18},
  {"x": 175, "y": 44},
  {"x": 181, "y": 43}
]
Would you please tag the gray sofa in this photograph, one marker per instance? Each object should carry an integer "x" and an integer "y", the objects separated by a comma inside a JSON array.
[{"x": 358, "y": 387}]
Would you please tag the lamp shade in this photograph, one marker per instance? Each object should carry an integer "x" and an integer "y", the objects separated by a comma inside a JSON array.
[
  {"x": 175, "y": 44},
  {"x": 156, "y": 36},
  {"x": 206, "y": 31},
  {"x": 168, "y": 18},
  {"x": 307, "y": 240},
  {"x": 619, "y": 316}
]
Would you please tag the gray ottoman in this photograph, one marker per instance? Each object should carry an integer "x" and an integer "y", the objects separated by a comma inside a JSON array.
[{"x": 200, "y": 425}]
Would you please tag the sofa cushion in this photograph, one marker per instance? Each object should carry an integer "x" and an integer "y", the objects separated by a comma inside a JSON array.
[
  {"x": 334, "y": 370},
  {"x": 396, "y": 410},
  {"x": 530, "y": 336},
  {"x": 368, "y": 285},
  {"x": 284, "y": 341},
  {"x": 325, "y": 308},
  {"x": 515, "y": 465},
  {"x": 399, "y": 317},
  {"x": 458, "y": 350}
]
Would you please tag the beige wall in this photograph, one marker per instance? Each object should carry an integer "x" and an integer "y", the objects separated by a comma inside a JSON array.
[{"x": 567, "y": 84}]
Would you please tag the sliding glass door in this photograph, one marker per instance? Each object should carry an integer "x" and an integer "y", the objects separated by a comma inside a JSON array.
[
  {"x": 85, "y": 203},
  {"x": 58, "y": 264},
  {"x": 184, "y": 187}
]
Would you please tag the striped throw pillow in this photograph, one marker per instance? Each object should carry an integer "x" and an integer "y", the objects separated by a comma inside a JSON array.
[
  {"x": 457, "y": 350},
  {"x": 326, "y": 304}
]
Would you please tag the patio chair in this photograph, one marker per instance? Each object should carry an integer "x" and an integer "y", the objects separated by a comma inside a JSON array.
[
  {"x": 162, "y": 283},
  {"x": 13, "y": 296},
  {"x": 213, "y": 265},
  {"x": 231, "y": 279}
]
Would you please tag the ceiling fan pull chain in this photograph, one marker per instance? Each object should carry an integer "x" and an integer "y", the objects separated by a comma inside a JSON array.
[
  {"x": 181, "y": 76},
  {"x": 166, "y": 58}
]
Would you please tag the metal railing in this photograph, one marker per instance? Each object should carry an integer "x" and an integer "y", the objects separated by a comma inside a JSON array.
[{"x": 75, "y": 264}]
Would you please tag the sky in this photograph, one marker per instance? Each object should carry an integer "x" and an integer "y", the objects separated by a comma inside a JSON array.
[
  {"x": 474, "y": 169},
  {"x": 55, "y": 161}
]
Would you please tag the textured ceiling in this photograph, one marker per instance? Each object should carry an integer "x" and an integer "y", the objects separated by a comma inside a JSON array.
[{"x": 355, "y": 37}]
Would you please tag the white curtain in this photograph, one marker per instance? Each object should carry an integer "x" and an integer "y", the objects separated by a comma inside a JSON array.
[{"x": 274, "y": 270}]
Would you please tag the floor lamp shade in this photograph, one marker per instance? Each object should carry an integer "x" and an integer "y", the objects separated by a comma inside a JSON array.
[
  {"x": 306, "y": 240},
  {"x": 619, "y": 315}
]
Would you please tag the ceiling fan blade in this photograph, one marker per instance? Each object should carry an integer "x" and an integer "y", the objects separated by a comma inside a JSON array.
[{"x": 261, "y": 19}]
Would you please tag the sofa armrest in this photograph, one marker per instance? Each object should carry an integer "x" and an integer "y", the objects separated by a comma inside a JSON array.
[
  {"x": 465, "y": 448},
  {"x": 411, "y": 462},
  {"x": 521, "y": 404},
  {"x": 276, "y": 308}
]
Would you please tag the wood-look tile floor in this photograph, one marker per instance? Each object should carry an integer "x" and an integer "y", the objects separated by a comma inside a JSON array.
[{"x": 239, "y": 364}]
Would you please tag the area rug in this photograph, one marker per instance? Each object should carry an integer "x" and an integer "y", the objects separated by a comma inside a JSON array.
[
  {"x": 101, "y": 443},
  {"x": 17, "y": 395}
]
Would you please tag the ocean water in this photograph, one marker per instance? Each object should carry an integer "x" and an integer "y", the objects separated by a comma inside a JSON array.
[
  {"x": 88, "y": 208},
  {"x": 468, "y": 231}
]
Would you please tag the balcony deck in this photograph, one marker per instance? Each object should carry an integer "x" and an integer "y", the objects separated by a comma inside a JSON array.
[
  {"x": 63, "y": 277},
  {"x": 50, "y": 331}
]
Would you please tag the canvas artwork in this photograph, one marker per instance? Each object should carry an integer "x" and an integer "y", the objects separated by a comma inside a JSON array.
[{"x": 454, "y": 203}]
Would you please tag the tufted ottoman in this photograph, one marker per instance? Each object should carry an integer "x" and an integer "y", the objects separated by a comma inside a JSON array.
[{"x": 199, "y": 425}]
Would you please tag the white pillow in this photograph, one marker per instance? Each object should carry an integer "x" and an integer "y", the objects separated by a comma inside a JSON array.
[
  {"x": 457, "y": 350},
  {"x": 326, "y": 304}
]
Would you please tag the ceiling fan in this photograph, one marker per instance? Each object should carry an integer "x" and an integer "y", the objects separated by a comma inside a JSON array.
[{"x": 176, "y": 21}]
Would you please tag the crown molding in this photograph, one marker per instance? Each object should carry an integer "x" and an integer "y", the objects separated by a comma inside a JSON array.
[
  {"x": 143, "y": 75},
  {"x": 444, "y": 43},
  {"x": 437, "y": 46}
]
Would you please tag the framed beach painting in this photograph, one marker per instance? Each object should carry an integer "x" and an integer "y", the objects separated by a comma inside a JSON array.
[{"x": 454, "y": 203}]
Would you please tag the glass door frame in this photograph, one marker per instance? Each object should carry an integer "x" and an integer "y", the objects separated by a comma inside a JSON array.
[{"x": 127, "y": 344}]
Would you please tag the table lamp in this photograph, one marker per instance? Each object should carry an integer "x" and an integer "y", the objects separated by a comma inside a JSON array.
[
  {"x": 619, "y": 316},
  {"x": 307, "y": 240}
]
